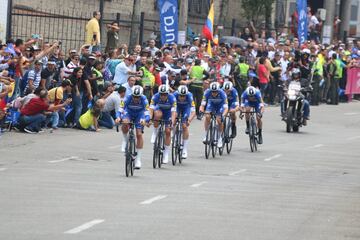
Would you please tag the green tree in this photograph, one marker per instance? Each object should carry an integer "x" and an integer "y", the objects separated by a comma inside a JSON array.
[{"x": 256, "y": 10}]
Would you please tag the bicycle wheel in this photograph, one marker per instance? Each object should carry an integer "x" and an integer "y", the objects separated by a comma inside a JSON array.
[
  {"x": 174, "y": 146},
  {"x": 208, "y": 143},
  {"x": 254, "y": 134},
  {"x": 156, "y": 152},
  {"x": 214, "y": 136},
  {"x": 127, "y": 160},
  {"x": 228, "y": 140},
  {"x": 180, "y": 144},
  {"x": 161, "y": 147},
  {"x": 133, "y": 155},
  {"x": 252, "y": 148}
]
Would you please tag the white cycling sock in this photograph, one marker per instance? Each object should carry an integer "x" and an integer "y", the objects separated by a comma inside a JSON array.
[
  {"x": 125, "y": 137},
  {"x": 186, "y": 143},
  {"x": 166, "y": 151},
  {"x": 138, "y": 150}
]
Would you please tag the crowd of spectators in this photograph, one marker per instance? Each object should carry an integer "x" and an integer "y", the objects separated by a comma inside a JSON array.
[{"x": 42, "y": 86}]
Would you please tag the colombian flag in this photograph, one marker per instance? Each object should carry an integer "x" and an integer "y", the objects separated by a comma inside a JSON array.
[{"x": 209, "y": 25}]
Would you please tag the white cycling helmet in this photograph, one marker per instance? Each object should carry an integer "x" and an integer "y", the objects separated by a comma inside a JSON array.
[
  {"x": 215, "y": 86},
  {"x": 137, "y": 91},
  {"x": 228, "y": 85},
  {"x": 251, "y": 91},
  {"x": 183, "y": 90},
  {"x": 164, "y": 89}
]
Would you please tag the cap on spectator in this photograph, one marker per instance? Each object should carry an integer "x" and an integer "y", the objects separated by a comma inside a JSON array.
[
  {"x": 149, "y": 61},
  {"x": 36, "y": 48},
  {"x": 158, "y": 69},
  {"x": 51, "y": 63},
  {"x": 189, "y": 60},
  {"x": 196, "y": 39},
  {"x": 92, "y": 57},
  {"x": 37, "y": 62},
  {"x": 206, "y": 55},
  {"x": 187, "y": 43},
  {"x": 73, "y": 51},
  {"x": 193, "y": 49}
]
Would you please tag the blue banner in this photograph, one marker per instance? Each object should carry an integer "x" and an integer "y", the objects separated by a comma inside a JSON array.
[
  {"x": 168, "y": 20},
  {"x": 303, "y": 20}
]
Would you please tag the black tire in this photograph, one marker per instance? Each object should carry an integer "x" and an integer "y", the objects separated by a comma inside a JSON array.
[
  {"x": 289, "y": 119},
  {"x": 132, "y": 147},
  {"x": 213, "y": 137},
  {"x": 180, "y": 146},
  {"x": 295, "y": 128},
  {"x": 161, "y": 148},
  {"x": 208, "y": 143},
  {"x": 254, "y": 129},
  {"x": 127, "y": 160},
  {"x": 174, "y": 148},
  {"x": 229, "y": 140},
  {"x": 156, "y": 152}
]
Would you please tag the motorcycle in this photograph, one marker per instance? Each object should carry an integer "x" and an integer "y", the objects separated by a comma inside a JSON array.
[{"x": 293, "y": 105}]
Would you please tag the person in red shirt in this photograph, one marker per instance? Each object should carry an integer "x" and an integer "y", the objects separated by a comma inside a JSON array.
[
  {"x": 33, "y": 113},
  {"x": 263, "y": 75}
]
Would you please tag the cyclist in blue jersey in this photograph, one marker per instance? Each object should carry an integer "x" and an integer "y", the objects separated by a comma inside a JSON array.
[
  {"x": 135, "y": 108},
  {"x": 214, "y": 101},
  {"x": 163, "y": 107},
  {"x": 251, "y": 98},
  {"x": 233, "y": 103},
  {"x": 185, "y": 108}
]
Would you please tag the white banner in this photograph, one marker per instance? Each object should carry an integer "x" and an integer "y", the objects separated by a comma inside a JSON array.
[{"x": 3, "y": 19}]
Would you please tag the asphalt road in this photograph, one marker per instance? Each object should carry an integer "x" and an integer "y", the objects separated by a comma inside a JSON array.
[{"x": 71, "y": 185}]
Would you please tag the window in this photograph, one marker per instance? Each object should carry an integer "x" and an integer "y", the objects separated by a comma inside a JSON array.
[
  {"x": 199, "y": 7},
  {"x": 354, "y": 12}
]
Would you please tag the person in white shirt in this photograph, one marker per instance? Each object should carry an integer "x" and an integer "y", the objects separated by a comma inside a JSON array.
[
  {"x": 284, "y": 63},
  {"x": 130, "y": 83},
  {"x": 74, "y": 63},
  {"x": 152, "y": 47},
  {"x": 124, "y": 69}
]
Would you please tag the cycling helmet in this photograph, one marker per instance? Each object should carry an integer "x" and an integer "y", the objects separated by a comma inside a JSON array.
[
  {"x": 164, "y": 89},
  {"x": 251, "y": 91},
  {"x": 295, "y": 73},
  {"x": 183, "y": 90},
  {"x": 137, "y": 91},
  {"x": 215, "y": 86},
  {"x": 228, "y": 85}
]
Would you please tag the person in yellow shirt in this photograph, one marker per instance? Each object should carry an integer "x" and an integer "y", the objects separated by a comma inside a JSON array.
[
  {"x": 89, "y": 120},
  {"x": 93, "y": 32},
  {"x": 56, "y": 97}
]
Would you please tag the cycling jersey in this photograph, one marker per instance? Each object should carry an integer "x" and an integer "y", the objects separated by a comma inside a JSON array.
[
  {"x": 185, "y": 107},
  {"x": 255, "y": 101},
  {"x": 135, "y": 111},
  {"x": 166, "y": 107},
  {"x": 233, "y": 99},
  {"x": 216, "y": 104}
]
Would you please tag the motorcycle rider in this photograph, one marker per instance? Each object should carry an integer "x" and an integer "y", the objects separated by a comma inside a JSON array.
[{"x": 296, "y": 76}]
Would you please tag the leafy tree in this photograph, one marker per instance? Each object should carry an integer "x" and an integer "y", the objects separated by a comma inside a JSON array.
[{"x": 255, "y": 10}]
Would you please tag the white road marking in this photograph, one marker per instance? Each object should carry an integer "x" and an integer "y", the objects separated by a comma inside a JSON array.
[
  {"x": 2, "y": 169},
  {"x": 272, "y": 158},
  {"x": 351, "y": 113},
  {"x": 64, "y": 159},
  {"x": 196, "y": 185},
  {"x": 114, "y": 147},
  {"x": 151, "y": 200},
  {"x": 353, "y": 138},
  {"x": 237, "y": 172},
  {"x": 316, "y": 146},
  {"x": 84, "y": 226}
]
